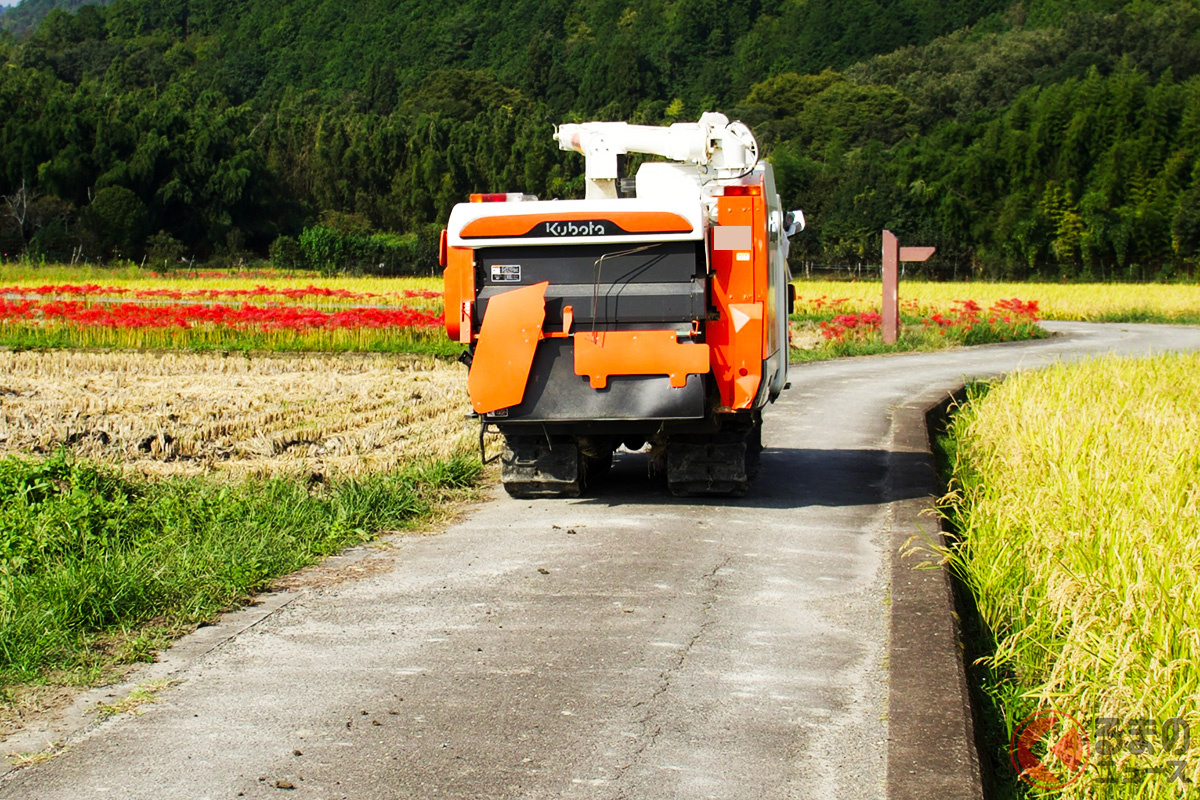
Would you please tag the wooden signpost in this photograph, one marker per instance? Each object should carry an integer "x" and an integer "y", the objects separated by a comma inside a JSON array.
[{"x": 893, "y": 254}]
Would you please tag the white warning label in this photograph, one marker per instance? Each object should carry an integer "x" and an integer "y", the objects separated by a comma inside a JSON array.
[{"x": 506, "y": 273}]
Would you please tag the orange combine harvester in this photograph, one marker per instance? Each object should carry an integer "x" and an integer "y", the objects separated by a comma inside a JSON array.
[{"x": 652, "y": 312}]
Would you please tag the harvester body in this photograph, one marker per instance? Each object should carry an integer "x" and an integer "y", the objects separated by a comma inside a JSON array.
[{"x": 652, "y": 314}]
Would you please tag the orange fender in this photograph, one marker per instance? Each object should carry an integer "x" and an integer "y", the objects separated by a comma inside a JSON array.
[{"x": 508, "y": 337}]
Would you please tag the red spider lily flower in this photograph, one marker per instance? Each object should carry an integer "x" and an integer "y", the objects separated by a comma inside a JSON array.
[{"x": 245, "y": 317}]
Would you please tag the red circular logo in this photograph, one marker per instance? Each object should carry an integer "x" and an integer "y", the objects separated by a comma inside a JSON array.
[{"x": 1049, "y": 749}]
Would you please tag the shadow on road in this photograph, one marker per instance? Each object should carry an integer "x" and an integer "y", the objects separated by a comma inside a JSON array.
[{"x": 790, "y": 478}]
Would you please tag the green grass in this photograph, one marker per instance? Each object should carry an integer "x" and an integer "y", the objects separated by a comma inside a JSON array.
[
  {"x": 986, "y": 682},
  {"x": 1148, "y": 316},
  {"x": 422, "y": 341},
  {"x": 1076, "y": 497},
  {"x": 99, "y": 569}
]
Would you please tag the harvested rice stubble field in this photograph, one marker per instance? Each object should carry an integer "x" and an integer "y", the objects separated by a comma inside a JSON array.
[{"x": 233, "y": 415}]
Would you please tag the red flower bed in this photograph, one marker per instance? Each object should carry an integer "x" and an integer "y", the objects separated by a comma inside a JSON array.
[
  {"x": 965, "y": 317},
  {"x": 244, "y": 317},
  {"x": 843, "y": 324}
]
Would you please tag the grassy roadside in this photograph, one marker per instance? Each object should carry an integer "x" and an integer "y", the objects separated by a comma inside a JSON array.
[
  {"x": 1136, "y": 315},
  {"x": 1075, "y": 496},
  {"x": 97, "y": 568},
  {"x": 213, "y": 338}
]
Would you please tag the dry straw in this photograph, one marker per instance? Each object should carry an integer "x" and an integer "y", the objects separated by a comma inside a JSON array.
[{"x": 191, "y": 413}]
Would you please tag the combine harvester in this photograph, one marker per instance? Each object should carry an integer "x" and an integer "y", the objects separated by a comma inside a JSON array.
[{"x": 654, "y": 311}]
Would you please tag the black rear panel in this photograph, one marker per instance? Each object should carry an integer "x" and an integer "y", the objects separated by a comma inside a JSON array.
[
  {"x": 556, "y": 394},
  {"x": 629, "y": 286}
]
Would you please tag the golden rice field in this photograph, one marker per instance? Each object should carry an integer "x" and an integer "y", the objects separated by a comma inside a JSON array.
[
  {"x": 191, "y": 413},
  {"x": 1082, "y": 301},
  {"x": 1077, "y": 497}
]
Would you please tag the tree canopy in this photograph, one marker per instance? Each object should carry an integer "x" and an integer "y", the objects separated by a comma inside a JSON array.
[
  {"x": 1040, "y": 137},
  {"x": 22, "y": 18}
]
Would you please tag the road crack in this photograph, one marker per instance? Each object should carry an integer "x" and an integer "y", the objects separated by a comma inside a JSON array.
[{"x": 650, "y": 730}]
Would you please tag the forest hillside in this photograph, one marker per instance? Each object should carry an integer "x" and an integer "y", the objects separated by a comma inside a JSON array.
[{"x": 1042, "y": 137}]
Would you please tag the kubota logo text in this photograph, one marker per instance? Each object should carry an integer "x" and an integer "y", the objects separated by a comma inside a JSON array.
[{"x": 585, "y": 228}]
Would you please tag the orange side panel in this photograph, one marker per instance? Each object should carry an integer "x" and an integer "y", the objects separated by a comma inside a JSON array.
[
  {"x": 599, "y": 355},
  {"x": 740, "y": 283},
  {"x": 522, "y": 224},
  {"x": 458, "y": 292},
  {"x": 508, "y": 337},
  {"x": 746, "y": 366}
]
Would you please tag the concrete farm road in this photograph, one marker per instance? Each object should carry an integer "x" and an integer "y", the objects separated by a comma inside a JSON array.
[{"x": 626, "y": 645}]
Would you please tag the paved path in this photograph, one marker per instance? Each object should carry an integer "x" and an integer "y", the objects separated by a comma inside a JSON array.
[{"x": 622, "y": 646}]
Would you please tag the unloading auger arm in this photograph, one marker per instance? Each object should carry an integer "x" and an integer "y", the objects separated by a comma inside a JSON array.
[{"x": 724, "y": 149}]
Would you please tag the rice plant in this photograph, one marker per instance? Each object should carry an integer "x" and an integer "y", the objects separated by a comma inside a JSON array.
[{"x": 1076, "y": 494}]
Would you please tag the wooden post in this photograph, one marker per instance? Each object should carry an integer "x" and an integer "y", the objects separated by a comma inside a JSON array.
[
  {"x": 891, "y": 287},
  {"x": 893, "y": 254}
]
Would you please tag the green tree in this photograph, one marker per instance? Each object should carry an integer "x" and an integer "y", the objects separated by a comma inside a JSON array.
[{"x": 117, "y": 220}]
